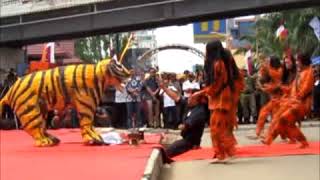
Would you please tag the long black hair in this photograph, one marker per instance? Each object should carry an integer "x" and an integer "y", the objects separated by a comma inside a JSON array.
[
  {"x": 214, "y": 52},
  {"x": 304, "y": 58},
  {"x": 275, "y": 62},
  {"x": 286, "y": 71}
]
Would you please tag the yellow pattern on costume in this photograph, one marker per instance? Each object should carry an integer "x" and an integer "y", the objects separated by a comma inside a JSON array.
[{"x": 79, "y": 86}]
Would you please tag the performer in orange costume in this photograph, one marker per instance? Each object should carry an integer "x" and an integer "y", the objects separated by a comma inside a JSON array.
[
  {"x": 273, "y": 73},
  {"x": 295, "y": 106},
  {"x": 222, "y": 77}
]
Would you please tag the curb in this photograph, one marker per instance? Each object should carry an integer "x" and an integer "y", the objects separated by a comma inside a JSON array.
[
  {"x": 253, "y": 126},
  {"x": 153, "y": 167}
]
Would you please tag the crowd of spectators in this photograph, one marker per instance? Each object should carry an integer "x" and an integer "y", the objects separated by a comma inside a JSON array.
[{"x": 144, "y": 103}]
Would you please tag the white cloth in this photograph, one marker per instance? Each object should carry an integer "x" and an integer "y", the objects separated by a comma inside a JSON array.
[
  {"x": 112, "y": 138},
  {"x": 187, "y": 85},
  {"x": 167, "y": 100}
]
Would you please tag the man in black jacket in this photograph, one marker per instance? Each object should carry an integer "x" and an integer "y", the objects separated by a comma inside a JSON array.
[{"x": 192, "y": 126}]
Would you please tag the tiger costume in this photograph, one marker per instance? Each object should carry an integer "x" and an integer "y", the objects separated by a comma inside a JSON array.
[{"x": 79, "y": 86}]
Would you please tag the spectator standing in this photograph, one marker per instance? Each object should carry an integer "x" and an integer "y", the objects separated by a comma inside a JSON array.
[
  {"x": 169, "y": 106},
  {"x": 248, "y": 100},
  {"x": 119, "y": 110},
  {"x": 179, "y": 106},
  {"x": 8, "y": 82},
  {"x": 153, "y": 104},
  {"x": 200, "y": 79},
  {"x": 2, "y": 93},
  {"x": 134, "y": 87},
  {"x": 11, "y": 77}
]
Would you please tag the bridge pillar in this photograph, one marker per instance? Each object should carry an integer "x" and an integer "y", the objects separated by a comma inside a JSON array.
[{"x": 10, "y": 58}]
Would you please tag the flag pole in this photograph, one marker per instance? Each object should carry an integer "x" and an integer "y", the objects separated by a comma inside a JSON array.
[{"x": 126, "y": 48}]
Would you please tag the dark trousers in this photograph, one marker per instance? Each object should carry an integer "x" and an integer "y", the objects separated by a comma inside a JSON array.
[
  {"x": 178, "y": 147},
  {"x": 133, "y": 109},
  {"x": 170, "y": 117},
  {"x": 119, "y": 115},
  {"x": 248, "y": 104},
  {"x": 239, "y": 114},
  {"x": 7, "y": 112},
  {"x": 316, "y": 100}
]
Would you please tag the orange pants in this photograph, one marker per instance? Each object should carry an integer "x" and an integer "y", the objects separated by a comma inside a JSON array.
[
  {"x": 267, "y": 109},
  {"x": 222, "y": 137},
  {"x": 285, "y": 123}
]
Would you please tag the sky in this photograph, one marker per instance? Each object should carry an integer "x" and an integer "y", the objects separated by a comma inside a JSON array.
[{"x": 177, "y": 60}]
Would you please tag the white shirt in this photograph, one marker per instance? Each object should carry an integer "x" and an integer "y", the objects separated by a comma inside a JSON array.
[
  {"x": 122, "y": 97},
  {"x": 189, "y": 85},
  {"x": 167, "y": 100}
]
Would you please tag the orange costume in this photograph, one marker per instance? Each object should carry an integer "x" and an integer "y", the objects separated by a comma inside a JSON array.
[
  {"x": 222, "y": 103},
  {"x": 272, "y": 87},
  {"x": 293, "y": 108}
]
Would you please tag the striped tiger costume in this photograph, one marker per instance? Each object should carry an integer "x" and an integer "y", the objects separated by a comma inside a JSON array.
[{"x": 78, "y": 86}]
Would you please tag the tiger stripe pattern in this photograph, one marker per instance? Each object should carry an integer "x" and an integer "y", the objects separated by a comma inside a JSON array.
[{"x": 78, "y": 86}]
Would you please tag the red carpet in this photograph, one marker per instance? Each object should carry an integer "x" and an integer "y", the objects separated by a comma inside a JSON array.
[
  {"x": 253, "y": 151},
  {"x": 70, "y": 160}
]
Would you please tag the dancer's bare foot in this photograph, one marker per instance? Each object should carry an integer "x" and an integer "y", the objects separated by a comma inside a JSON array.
[
  {"x": 215, "y": 161},
  {"x": 228, "y": 159},
  {"x": 253, "y": 137},
  {"x": 261, "y": 136},
  {"x": 263, "y": 141},
  {"x": 304, "y": 145},
  {"x": 292, "y": 142}
]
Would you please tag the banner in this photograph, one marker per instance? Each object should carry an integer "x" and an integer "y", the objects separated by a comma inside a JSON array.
[{"x": 203, "y": 32}]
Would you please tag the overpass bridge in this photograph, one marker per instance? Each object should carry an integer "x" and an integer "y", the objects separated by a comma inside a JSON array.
[{"x": 34, "y": 21}]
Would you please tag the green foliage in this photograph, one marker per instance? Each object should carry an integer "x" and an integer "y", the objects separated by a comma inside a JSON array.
[
  {"x": 93, "y": 49},
  {"x": 301, "y": 36}
]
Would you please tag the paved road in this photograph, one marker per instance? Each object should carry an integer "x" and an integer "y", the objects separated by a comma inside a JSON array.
[{"x": 304, "y": 167}]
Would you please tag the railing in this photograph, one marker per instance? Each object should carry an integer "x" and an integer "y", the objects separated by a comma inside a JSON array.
[{"x": 20, "y": 7}]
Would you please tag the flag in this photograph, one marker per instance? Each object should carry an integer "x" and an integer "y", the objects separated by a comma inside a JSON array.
[
  {"x": 48, "y": 53},
  {"x": 249, "y": 61},
  {"x": 315, "y": 24},
  {"x": 282, "y": 32}
]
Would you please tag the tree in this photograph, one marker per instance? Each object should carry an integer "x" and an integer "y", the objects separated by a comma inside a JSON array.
[
  {"x": 301, "y": 37},
  {"x": 93, "y": 49}
]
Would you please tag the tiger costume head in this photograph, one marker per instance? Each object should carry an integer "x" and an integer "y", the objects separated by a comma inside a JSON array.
[{"x": 115, "y": 73}]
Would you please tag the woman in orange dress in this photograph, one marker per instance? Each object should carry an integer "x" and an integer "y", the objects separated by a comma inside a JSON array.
[
  {"x": 222, "y": 83},
  {"x": 273, "y": 72}
]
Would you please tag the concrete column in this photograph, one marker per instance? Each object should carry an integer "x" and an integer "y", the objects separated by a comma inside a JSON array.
[{"x": 10, "y": 58}]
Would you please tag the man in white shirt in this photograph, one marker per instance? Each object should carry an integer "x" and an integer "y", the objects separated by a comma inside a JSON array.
[
  {"x": 169, "y": 110},
  {"x": 190, "y": 85}
]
